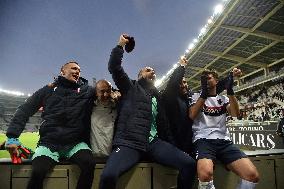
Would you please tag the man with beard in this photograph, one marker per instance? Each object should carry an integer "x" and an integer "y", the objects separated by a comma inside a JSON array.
[{"x": 142, "y": 127}]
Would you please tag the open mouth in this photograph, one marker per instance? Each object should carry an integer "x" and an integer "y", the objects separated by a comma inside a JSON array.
[
  {"x": 152, "y": 77},
  {"x": 76, "y": 77}
]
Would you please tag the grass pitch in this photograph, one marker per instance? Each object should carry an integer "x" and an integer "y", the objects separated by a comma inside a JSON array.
[{"x": 27, "y": 139}]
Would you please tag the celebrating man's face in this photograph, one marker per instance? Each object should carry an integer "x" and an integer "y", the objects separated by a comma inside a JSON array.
[
  {"x": 183, "y": 86},
  {"x": 147, "y": 73},
  {"x": 211, "y": 81},
  {"x": 103, "y": 91},
  {"x": 71, "y": 71}
]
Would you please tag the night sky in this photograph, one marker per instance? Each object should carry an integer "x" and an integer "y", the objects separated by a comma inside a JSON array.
[{"x": 38, "y": 36}]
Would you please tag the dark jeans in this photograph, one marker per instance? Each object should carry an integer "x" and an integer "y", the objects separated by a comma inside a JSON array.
[
  {"x": 42, "y": 165},
  {"x": 123, "y": 158}
]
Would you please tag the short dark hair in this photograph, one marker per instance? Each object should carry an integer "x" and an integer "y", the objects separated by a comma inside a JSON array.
[
  {"x": 210, "y": 71},
  {"x": 70, "y": 62}
]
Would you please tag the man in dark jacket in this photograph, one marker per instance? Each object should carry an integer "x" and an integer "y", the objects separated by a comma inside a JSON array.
[
  {"x": 176, "y": 98},
  {"x": 65, "y": 128},
  {"x": 142, "y": 127}
]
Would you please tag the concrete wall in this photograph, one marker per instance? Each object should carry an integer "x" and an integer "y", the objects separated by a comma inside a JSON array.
[{"x": 143, "y": 176}]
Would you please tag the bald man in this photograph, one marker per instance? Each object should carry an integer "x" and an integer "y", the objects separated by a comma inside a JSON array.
[{"x": 102, "y": 119}]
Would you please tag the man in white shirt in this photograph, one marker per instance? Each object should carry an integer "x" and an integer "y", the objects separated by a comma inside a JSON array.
[
  {"x": 211, "y": 137},
  {"x": 103, "y": 118}
]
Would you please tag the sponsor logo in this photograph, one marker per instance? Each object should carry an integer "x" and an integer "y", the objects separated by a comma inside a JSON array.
[{"x": 214, "y": 111}]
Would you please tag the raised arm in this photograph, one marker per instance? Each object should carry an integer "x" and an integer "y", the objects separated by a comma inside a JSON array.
[
  {"x": 173, "y": 86},
  {"x": 233, "y": 107},
  {"x": 222, "y": 84},
  {"x": 119, "y": 76}
]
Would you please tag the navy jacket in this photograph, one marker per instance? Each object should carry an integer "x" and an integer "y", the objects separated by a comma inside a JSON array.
[
  {"x": 135, "y": 114},
  {"x": 177, "y": 106},
  {"x": 66, "y": 114}
]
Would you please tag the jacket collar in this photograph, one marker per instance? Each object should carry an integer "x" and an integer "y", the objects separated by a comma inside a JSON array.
[{"x": 62, "y": 81}]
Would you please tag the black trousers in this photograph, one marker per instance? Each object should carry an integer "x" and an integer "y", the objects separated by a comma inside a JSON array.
[
  {"x": 123, "y": 158},
  {"x": 42, "y": 165}
]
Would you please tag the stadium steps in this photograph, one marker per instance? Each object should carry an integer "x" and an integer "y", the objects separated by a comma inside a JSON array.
[
  {"x": 276, "y": 101},
  {"x": 30, "y": 127}
]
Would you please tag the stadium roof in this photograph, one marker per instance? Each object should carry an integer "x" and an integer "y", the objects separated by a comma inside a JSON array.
[{"x": 248, "y": 34}]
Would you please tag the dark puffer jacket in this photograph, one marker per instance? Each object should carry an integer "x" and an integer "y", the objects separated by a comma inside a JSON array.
[
  {"x": 66, "y": 114},
  {"x": 177, "y": 106},
  {"x": 134, "y": 121}
]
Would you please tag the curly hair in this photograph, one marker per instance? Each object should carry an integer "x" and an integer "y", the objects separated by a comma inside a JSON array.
[{"x": 206, "y": 72}]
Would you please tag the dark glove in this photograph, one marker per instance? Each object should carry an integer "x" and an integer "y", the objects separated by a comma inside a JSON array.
[
  {"x": 204, "y": 87},
  {"x": 130, "y": 45},
  {"x": 230, "y": 84}
]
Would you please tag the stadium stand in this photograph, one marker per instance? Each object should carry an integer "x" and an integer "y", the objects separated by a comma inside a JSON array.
[
  {"x": 262, "y": 102},
  {"x": 8, "y": 106},
  {"x": 248, "y": 35}
]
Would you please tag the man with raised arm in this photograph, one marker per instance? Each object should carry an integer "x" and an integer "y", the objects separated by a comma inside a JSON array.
[
  {"x": 211, "y": 137},
  {"x": 142, "y": 127},
  {"x": 177, "y": 99}
]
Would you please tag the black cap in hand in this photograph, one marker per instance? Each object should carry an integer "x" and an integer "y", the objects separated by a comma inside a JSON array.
[{"x": 130, "y": 45}]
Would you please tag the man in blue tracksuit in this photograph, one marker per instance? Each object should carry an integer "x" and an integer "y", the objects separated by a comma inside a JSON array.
[{"x": 142, "y": 127}]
